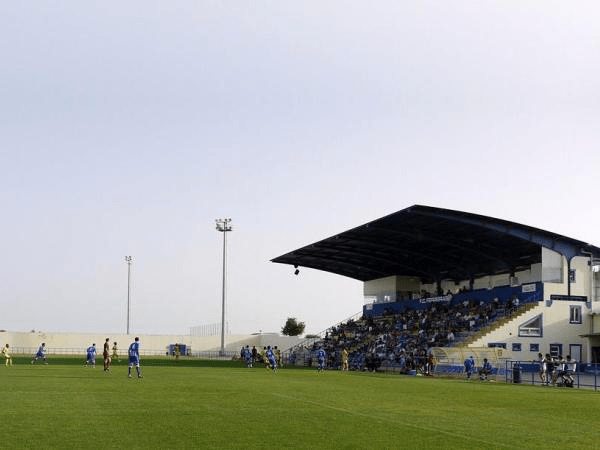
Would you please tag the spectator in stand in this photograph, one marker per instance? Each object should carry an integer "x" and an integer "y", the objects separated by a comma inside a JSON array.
[
  {"x": 369, "y": 361},
  {"x": 402, "y": 361}
]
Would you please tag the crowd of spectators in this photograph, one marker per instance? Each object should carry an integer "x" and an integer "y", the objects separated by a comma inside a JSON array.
[{"x": 403, "y": 340}]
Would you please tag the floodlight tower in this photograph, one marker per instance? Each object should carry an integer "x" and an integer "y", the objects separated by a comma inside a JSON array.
[
  {"x": 128, "y": 260},
  {"x": 223, "y": 225}
]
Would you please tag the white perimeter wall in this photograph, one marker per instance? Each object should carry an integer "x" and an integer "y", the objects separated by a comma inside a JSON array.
[{"x": 150, "y": 344}]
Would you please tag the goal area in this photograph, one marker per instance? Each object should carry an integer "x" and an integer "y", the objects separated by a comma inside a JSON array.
[{"x": 449, "y": 361}]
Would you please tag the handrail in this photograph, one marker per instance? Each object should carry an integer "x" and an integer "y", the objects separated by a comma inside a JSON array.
[{"x": 319, "y": 336}]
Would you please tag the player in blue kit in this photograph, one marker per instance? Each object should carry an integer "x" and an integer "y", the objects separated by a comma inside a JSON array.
[
  {"x": 41, "y": 353},
  {"x": 248, "y": 356},
  {"x": 320, "y": 359},
  {"x": 469, "y": 367},
  {"x": 134, "y": 357},
  {"x": 91, "y": 356},
  {"x": 271, "y": 357}
]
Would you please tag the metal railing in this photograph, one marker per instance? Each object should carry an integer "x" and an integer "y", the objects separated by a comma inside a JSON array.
[
  {"x": 30, "y": 351},
  {"x": 586, "y": 376},
  {"x": 308, "y": 343}
]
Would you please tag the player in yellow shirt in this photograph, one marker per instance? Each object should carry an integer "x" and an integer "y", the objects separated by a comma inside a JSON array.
[
  {"x": 265, "y": 360},
  {"x": 344, "y": 359},
  {"x": 115, "y": 355},
  {"x": 277, "y": 356},
  {"x": 6, "y": 355},
  {"x": 106, "y": 355}
]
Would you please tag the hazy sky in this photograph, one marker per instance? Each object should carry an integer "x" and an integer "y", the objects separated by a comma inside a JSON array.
[{"x": 126, "y": 128}]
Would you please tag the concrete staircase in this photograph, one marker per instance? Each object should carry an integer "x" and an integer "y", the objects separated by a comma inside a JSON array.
[{"x": 519, "y": 312}]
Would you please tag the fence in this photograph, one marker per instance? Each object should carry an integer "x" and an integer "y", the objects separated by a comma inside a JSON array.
[
  {"x": 586, "y": 376},
  {"x": 30, "y": 351},
  {"x": 309, "y": 342}
]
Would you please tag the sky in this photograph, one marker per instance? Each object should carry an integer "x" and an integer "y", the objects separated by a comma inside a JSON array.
[{"x": 127, "y": 128}]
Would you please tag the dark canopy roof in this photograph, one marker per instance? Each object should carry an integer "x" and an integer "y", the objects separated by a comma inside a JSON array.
[{"x": 433, "y": 244}]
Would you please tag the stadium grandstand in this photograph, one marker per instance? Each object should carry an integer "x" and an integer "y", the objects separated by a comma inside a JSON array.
[{"x": 442, "y": 284}]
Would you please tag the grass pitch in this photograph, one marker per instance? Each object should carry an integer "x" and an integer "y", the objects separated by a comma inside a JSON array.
[{"x": 64, "y": 405}]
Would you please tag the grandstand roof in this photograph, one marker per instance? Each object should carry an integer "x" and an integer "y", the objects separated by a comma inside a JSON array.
[{"x": 433, "y": 244}]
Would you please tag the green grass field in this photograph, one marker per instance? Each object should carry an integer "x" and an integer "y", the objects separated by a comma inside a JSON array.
[{"x": 223, "y": 405}]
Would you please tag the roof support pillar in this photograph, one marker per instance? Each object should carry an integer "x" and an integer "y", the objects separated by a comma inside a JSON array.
[{"x": 569, "y": 277}]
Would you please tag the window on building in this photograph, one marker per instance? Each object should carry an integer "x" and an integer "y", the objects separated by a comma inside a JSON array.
[
  {"x": 555, "y": 350},
  {"x": 497, "y": 345},
  {"x": 532, "y": 328},
  {"x": 572, "y": 275},
  {"x": 575, "y": 314},
  {"x": 516, "y": 347},
  {"x": 534, "y": 347}
]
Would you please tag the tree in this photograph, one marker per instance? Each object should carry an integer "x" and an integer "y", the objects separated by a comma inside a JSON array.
[{"x": 292, "y": 327}]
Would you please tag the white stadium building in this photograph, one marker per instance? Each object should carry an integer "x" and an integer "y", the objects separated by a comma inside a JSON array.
[{"x": 422, "y": 255}]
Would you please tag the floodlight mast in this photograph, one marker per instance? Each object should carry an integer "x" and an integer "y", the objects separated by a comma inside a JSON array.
[
  {"x": 128, "y": 260},
  {"x": 223, "y": 225}
]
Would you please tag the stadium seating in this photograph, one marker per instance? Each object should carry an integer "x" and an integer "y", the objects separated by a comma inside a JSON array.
[{"x": 397, "y": 337}]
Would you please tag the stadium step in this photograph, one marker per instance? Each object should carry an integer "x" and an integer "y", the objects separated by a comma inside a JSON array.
[{"x": 499, "y": 323}]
